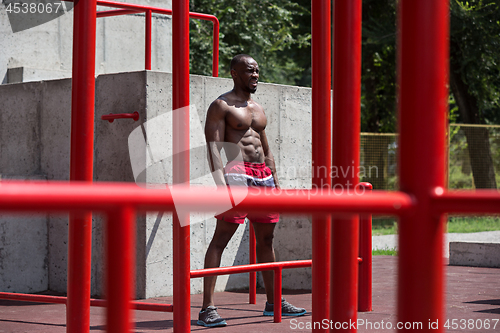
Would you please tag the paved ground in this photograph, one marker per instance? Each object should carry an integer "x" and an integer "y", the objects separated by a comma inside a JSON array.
[
  {"x": 390, "y": 241},
  {"x": 473, "y": 294}
]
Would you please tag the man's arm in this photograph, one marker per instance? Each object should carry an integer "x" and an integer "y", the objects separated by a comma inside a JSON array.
[
  {"x": 269, "y": 158},
  {"x": 215, "y": 126}
]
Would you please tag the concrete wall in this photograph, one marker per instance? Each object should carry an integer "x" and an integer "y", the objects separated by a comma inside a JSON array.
[
  {"x": 35, "y": 142},
  {"x": 44, "y": 52},
  {"x": 475, "y": 254}
]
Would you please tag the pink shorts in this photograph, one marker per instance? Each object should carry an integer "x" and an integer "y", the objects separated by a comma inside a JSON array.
[{"x": 250, "y": 175}]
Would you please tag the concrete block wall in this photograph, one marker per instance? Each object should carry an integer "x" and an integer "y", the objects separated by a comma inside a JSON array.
[
  {"x": 38, "y": 116},
  {"x": 475, "y": 254},
  {"x": 44, "y": 52}
]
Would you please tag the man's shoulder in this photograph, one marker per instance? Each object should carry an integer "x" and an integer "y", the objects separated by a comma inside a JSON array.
[
  {"x": 219, "y": 103},
  {"x": 226, "y": 97}
]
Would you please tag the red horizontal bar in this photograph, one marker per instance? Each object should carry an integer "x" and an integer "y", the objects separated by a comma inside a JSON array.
[
  {"x": 141, "y": 8},
  {"x": 111, "y": 117},
  {"x": 63, "y": 196},
  {"x": 158, "y": 10},
  {"x": 33, "y": 298},
  {"x": 250, "y": 268},
  {"x": 466, "y": 202},
  {"x": 117, "y": 12},
  {"x": 127, "y": 8},
  {"x": 93, "y": 302}
]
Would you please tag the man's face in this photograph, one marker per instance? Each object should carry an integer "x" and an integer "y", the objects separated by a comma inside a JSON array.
[{"x": 248, "y": 74}]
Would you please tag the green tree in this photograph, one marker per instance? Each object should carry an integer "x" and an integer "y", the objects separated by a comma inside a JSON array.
[
  {"x": 474, "y": 78},
  {"x": 378, "y": 86},
  {"x": 274, "y": 32}
]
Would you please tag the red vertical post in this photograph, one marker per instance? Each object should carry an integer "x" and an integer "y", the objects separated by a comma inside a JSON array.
[
  {"x": 365, "y": 252},
  {"x": 423, "y": 103},
  {"x": 215, "y": 48},
  {"x": 345, "y": 156},
  {"x": 321, "y": 155},
  {"x": 81, "y": 163},
  {"x": 253, "y": 275},
  {"x": 180, "y": 131},
  {"x": 277, "y": 294},
  {"x": 120, "y": 269},
  {"x": 148, "y": 15}
]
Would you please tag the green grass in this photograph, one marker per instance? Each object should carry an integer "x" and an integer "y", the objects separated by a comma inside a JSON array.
[
  {"x": 384, "y": 226},
  {"x": 385, "y": 252},
  {"x": 456, "y": 224},
  {"x": 459, "y": 224}
]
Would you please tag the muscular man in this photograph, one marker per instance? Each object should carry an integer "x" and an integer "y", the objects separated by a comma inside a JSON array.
[{"x": 237, "y": 119}]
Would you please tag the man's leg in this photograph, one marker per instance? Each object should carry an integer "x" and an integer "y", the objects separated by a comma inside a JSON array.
[
  {"x": 264, "y": 234},
  {"x": 223, "y": 233}
]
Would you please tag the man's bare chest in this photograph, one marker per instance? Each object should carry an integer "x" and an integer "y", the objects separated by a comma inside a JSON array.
[{"x": 242, "y": 119}]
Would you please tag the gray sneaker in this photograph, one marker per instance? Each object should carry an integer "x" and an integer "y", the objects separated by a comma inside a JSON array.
[
  {"x": 210, "y": 318},
  {"x": 287, "y": 309}
]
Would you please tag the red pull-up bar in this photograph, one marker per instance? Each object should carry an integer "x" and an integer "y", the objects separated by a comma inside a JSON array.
[
  {"x": 128, "y": 8},
  {"x": 112, "y": 116}
]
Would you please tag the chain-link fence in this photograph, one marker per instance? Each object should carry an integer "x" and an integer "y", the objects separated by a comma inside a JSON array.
[
  {"x": 473, "y": 156},
  {"x": 378, "y": 160}
]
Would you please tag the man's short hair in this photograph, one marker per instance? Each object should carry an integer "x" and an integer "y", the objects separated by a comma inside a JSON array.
[{"x": 237, "y": 59}]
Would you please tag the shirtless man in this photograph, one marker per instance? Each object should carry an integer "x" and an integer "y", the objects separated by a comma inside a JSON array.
[{"x": 236, "y": 118}]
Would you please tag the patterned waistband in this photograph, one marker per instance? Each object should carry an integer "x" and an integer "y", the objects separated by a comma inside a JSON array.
[{"x": 256, "y": 171}]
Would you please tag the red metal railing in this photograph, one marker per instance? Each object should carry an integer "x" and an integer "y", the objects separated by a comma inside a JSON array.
[
  {"x": 128, "y": 8},
  {"x": 365, "y": 253},
  {"x": 112, "y": 116},
  {"x": 321, "y": 154},
  {"x": 345, "y": 156},
  {"x": 120, "y": 201},
  {"x": 422, "y": 104},
  {"x": 81, "y": 163},
  {"x": 364, "y": 259},
  {"x": 145, "y": 306}
]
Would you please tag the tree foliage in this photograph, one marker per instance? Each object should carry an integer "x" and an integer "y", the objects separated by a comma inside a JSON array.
[
  {"x": 278, "y": 35},
  {"x": 378, "y": 106},
  {"x": 275, "y": 33},
  {"x": 475, "y": 52}
]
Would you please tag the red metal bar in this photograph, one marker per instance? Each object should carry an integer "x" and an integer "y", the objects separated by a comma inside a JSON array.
[
  {"x": 466, "y": 202},
  {"x": 111, "y": 117},
  {"x": 215, "y": 48},
  {"x": 133, "y": 8},
  {"x": 276, "y": 266},
  {"x": 277, "y": 294},
  {"x": 120, "y": 269},
  {"x": 180, "y": 131},
  {"x": 321, "y": 155},
  {"x": 253, "y": 275},
  {"x": 61, "y": 196},
  {"x": 148, "y": 39},
  {"x": 93, "y": 302},
  {"x": 365, "y": 252},
  {"x": 33, "y": 298},
  {"x": 345, "y": 156},
  {"x": 81, "y": 163},
  {"x": 423, "y": 106},
  {"x": 117, "y": 12},
  {"x": 267, "y": 266},
  {"x": 142, "y": 8}
]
